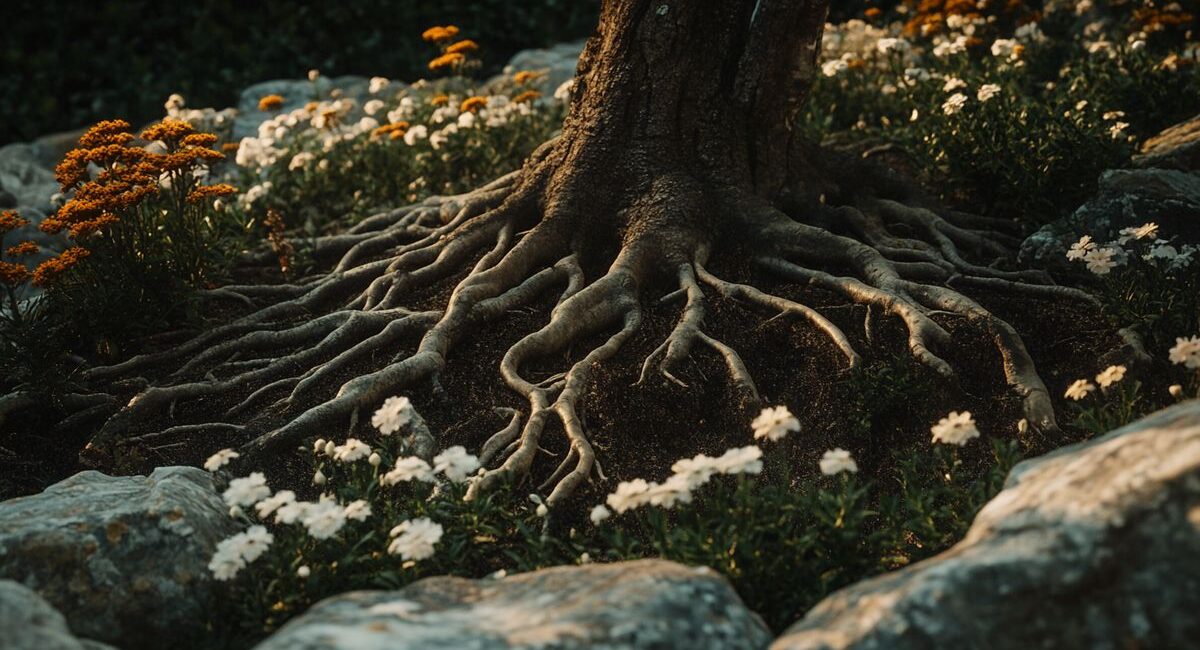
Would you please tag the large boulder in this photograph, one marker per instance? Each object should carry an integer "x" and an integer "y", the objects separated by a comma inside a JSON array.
[
  {"x": 1175, "y": 148},
  {"x": 1127, "y": 198},
  {"x": 630, "y": 605},
  {"x": 123, "y": 558},
  {"x": 1094, "y": 546},
  {"x": 557, "y": 64},
  {"x": 28, "y": 622},
  {"x": 26, "y": 177}
]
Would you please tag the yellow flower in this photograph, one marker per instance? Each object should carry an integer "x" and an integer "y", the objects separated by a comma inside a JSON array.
[
  {"x": 525, "y": 76},
  {"x": 438, "y": 34},
  {"x": 527, "y": 96}
]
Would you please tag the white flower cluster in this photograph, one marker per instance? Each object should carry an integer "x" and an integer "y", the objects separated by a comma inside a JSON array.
[
  {"x": 955, "y": 429},
  {"x": 415, "y": 539},
  {"x": 690, "y": 474},
  {"x": 1101, "y": 260},
  {"x": 1186, "y": 352},
  {"x": 233, "y": 554},
  {"x": 1081, "y": 388}
]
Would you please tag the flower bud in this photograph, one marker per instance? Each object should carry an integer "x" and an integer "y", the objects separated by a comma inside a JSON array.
[
  {"x": 319, "y": 478},
  {"x": 1023, "y": 426},
  {"x": 303, "y": 571},
  {"x": 329, "y": 447},
  {"x": 236, "y": 512},
  {"x": 1175, "y": 390},
  {"x": 319, "y": 445},
  {"x": 375, "y": 460}
]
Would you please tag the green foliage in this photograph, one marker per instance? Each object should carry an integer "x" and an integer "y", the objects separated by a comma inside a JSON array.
[
  {"x": 71, "y": 65},
  {"x": 783, "y": 546}
]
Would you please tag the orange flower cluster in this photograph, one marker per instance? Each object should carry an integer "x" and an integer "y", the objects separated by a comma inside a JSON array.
[
  {"x": 473, "y": 104},
  {"x": 464, "y": 46},
  {"x": 393, "y": 131},
  {"x": 22, "y": 249},
  {"x": 439, "y": 34},
  {"x": 50, "y": 270},
  {"x": 439, "y": 100},
  {"x": 449, "y": 60},
  {"x": 10, "y": 220},
  {"x": 527, "y": 96},
  {"x": 929, "y": 16},
  {"x": 525, "y": 76},
  {"x": 13, "y": 274},
  {"x": 129, "y": 174},
  {"x": 270, "y": 103},
  {"x": 1154, "y": 19},
  {"x": 201, "y": 193}
]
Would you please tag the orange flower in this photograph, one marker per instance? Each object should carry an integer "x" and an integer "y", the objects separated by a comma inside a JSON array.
[
  {"x": 463, "y": 47},
  {"x": 525, "y": 76},
  {"x": 873, "y": 12},
  {"x": 85, "y": 229},
  {"x": 527, "y": 96},
  {"x": 13, "y": 274},
  {"x": 230, "y": 147},
  {"x": 438, "y": 34},
  {"x": 473, "y": 104},
  {"x": 22, "y": 249},
  {"x": 394, "y": 131},
  {"x": 202, "y": 192},
  {"x": 10, "y": 220},
  {"x": 169, "y": 130},
  {"x": 449, "y": 60},
  {"x": 270, "y": 103},
  {"x": 439, "y": 100},
  {"x": 199, "y": 140},
  {"x": 106, "y": 132},
  {"x": 50, "y": 270}
]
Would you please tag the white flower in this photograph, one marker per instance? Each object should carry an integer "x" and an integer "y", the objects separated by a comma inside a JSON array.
[
  {"x": 667, "y": 494},
  {"x": 741, "y": 460},
  {"x": 563, "y": 92},
  {"x": 629, "y": 495},
  {"x": 955, "y": 429},
  {"x": 303, "y": 571},
  {"x": 1101, "y": 260},
  {"x": 220, "y": 459},
  {"x": 225, "y": 562},
  {"x": 885, "y": 45},
  {"x": 1110, "y": 376},
  {"x": 373, "y": 106},
  {"x": 774, "y": 423},
  {"x": 314, "y": 74},
  {"x": 1003, "y": 47},
  {"x": 832, "y": 67},
  {"x": 377, "y": 84},
  {"x": 358, "y": 510},
  {"x": 455, "y": 463},
  {"x": 1144, "y": 231},
  {"x": 247, "y": 491},
  {"x": 351, "y": 451},
  {"x": 301, "y": 160},
  {"x": 1113, "y": 115},
  {"x": 1118, "y": 129},
  {"x": 408, "y": 469},
  {"x": 836, "y": 461},
  {"x": 466, "y": 120},
  {"x": 174, "y": 103},
  {"x": 415, "y": 539},
  {"x": 1079, "y": 389},
  {"x": 697, "y": 470},
  {"x": 253, "y": 543},
  {"x": 418, "y": 132},
  {"x": 1080, "y": 248},
  {"x": 290, "y": 513},
  {"x": 324, "y": 518},
  {"x": 987, "y": 91},
  {"x": 954, "y": 104},
  {"x": 281, "y": 498},
  {"x": 1029, "y": 32},
  {"x": 952, "y": 84},
  {"x": 917, "y": 74},
  {"x": 1186, "y": 352},
  {"x": 599, "y": 514}
]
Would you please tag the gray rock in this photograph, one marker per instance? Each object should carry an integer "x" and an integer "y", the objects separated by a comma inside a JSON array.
[
  {"x": 1175, "y": 148},
  {"x": 123, "y": 558},
  {"x": 1126, "y": 198},
  {"x": 1096, "y": 545},
  {"x": 296, "y": 93},
  {"x": 28, "y": 622},
  {"x": 628, "y": 605},
  {"x": 557, "y": 62},
  {"x": 25, "y": 177}
]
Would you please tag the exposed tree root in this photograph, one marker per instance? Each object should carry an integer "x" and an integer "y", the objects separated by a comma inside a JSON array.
[{"x": 279, "y": 373}]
